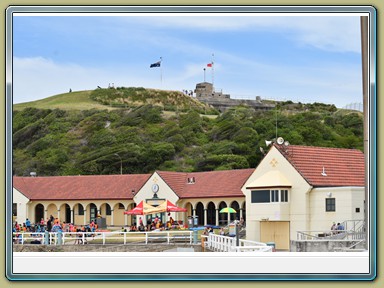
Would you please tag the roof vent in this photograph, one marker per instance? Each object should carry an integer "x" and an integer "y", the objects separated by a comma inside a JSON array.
[
  {"x": 191, "y": 180},
  {"x": 32, "y": 174},
  {"x": 323, "y": 173}
]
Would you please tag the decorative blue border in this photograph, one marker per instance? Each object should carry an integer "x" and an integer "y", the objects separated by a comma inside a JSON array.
[{"x": 372, "y": 141}]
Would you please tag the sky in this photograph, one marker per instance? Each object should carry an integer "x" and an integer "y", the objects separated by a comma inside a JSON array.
[{"x": 302, "y": 58}]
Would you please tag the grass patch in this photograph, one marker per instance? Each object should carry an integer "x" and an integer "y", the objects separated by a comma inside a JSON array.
[{"x": 79, "y": 100}]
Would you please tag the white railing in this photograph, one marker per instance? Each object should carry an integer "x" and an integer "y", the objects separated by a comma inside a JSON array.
[
  {"x": 330, "y": 235},
  {"x": 222, "y": 243},
  {"x": 104, "y": 238},
  {"x": 353, "y": 230}
]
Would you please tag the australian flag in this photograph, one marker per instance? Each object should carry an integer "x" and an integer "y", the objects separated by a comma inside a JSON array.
[{"x": 157, "y": 64}]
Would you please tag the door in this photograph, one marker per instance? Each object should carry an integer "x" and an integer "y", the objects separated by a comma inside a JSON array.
[
  {"x": 277, "y": 232},
  {"x": 93, "y": 213}
]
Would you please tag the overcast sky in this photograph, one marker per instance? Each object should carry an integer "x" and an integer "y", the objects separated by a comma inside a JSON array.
[{"x": 300, "y": 58}]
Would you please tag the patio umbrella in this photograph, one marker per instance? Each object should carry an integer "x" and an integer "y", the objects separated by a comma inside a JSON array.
[
  {"x": 170, "y": 207},
  {"x": 141, "y": 209},
  {"x": 166, "y": 206},
  {"x": 228, "y": 210}
]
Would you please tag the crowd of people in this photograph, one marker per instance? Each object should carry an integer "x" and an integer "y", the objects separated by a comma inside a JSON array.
[
  {"x": 154, "y": 225},
  {"x": 52, "y": 224}
]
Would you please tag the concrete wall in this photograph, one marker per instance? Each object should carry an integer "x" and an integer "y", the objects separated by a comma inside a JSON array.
[{"x": 323, "y": 246}]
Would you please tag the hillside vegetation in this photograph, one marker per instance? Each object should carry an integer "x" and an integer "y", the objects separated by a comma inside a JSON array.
[{"x": 133, "y": 127}]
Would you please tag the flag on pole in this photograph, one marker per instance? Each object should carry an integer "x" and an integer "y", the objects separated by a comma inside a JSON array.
[
  {"x": 157, "y": 64},
  {"x": 209, "y": 64}
]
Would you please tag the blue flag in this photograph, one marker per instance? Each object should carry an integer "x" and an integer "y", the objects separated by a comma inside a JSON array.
[{"x": 157, "y": 64}]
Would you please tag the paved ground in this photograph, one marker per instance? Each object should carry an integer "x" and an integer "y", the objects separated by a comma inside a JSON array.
[{"x": 107, "y": 248}]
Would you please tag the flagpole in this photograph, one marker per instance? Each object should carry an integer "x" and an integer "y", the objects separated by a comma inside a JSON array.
[
  {"x": 161, "y": 72},
  {"x": 213, "y": 69},
  {"x": 204, "y": 74}
]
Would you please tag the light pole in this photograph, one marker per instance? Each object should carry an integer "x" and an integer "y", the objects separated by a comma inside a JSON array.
[{"x": 121, "y": 164}]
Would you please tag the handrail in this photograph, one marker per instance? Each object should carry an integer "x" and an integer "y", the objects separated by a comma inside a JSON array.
[
  {"x": 345, "y": 234},
  {"x": 223, "y": 243},
  {"x": 68, "y": 238}
]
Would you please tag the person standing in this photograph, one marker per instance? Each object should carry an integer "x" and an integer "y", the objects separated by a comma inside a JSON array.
[
  {"x": 49, "y": 225},
  {"x": 333, "y": 228},
  {"x": 28, "y": 224}
]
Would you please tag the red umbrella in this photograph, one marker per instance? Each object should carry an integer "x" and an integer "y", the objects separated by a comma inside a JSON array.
[
  {"x": 173, "y": 208},
  {"x": 140, "y": 209}
]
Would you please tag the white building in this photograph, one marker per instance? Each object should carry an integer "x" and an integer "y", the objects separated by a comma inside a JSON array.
[
  {"x": 294, "y": 188},
  {"x": 301, "y": 188}
]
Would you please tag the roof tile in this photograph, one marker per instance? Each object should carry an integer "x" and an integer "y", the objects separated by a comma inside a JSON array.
[
  {"x": 80, "y": 187},
  {"x": 341, "y": 167}
]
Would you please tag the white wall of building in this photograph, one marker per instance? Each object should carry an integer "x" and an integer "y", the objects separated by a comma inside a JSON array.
[
  {"x": 22, "y": 207},
  {"x": 296, "y": 210},
  {"x": 347, "y": 200},
  {"x": 165, "y": 192}
]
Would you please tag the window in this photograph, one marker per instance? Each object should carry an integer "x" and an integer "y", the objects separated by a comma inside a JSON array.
[
  {"x": 260, "y": 196},
  {"x": 283, "y": 195},
  {"x": 269, "y": 196},
  {"x": 108, "y": 209},
  {"x": 274, "y": 195},
  {"x": 357, "y": 210},
  {"x": 121, "y": 206},
  {"x": 14, "y": 209},
  {"x": 81, "y": 209},
  {"x": 330, "y": 205}
]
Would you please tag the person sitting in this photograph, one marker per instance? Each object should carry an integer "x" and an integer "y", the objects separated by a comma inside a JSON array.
[{"x": 141, "y": 227}]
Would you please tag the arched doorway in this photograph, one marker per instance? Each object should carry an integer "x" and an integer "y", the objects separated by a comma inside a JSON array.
[
  {"x": 223, "y": 217},
  {"x": 211, "y": 213},
  {"x": 235, "y": 216},
  {"x": 244, "y": 211},
  {"x": 200, "y": 213},
  {"x": 39, "y": 213},
  {"x": 92, "y": 212}
]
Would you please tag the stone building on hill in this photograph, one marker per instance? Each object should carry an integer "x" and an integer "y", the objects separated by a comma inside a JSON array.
[{"x": 205, "y": 93}]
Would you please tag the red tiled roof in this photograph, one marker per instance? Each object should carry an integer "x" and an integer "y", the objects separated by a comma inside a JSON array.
[
  {"x": 80, "y": 187},
  {"x": 226, "y": 183},
  {"x": 343, "y": 167}
]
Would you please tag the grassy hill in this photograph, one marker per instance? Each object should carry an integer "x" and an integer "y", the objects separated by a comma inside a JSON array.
[
  {"x": 79, "y": 100},
  {"x": 94, "y": 132},
  {"x": 121, "y": 97}
]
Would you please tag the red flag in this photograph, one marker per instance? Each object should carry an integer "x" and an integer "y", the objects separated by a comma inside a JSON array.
[{"x": 209, "y": 64}]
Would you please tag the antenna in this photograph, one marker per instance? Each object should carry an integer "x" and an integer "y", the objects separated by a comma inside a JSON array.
[{"x": 276, "y": 116}]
